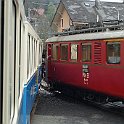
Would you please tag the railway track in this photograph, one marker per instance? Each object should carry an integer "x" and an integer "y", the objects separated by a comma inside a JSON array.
[{"x": 115, "y": 107}]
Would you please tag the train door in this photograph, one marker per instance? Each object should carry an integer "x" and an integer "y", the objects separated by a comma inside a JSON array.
[
  {"x": 49, "y": 53},
  {"x": 1, "y": 58},
  {"x": 55, "y": 57},
  {"x": 86, "y": 60}
]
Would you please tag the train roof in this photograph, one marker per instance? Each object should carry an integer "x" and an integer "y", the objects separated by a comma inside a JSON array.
[
  {"x": 88, "y": 36},
  {"x": 31, "y": 31}
]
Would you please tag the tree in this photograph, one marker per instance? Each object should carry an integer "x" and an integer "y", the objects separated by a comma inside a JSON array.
[
  {"x": 43, "y": 27},
  {"x": 50, "y": 11}
]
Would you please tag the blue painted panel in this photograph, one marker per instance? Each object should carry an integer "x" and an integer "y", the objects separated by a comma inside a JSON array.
[
  {"x": 29, "y": 95},
  {"x": 21, "y": 114}
]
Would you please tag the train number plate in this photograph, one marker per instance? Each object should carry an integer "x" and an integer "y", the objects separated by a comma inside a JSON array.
[{"x": 85, "y": 74}]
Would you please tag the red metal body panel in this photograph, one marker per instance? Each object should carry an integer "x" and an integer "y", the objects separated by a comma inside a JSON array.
[{"x": 104, "y": 78}]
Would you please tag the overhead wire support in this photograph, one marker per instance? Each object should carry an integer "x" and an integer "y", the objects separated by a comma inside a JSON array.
[
  {"x": 90, "y": 30},
  {"x": 42, "y": 3}
]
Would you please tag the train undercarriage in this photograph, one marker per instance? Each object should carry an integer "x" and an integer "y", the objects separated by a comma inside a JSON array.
[{"x": 82, "y": 93}]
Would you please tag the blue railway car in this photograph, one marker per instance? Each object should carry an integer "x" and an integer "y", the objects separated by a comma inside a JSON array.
[{"x": 20, "y": 63}]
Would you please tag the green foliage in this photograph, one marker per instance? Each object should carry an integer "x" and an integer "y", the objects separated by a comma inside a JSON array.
[
  {"x": 50, "y": 11},
  {"x": 42, "y": 23}
]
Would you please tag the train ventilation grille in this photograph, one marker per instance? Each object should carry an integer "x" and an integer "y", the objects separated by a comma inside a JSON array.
[{"x": 97, "y": 53}]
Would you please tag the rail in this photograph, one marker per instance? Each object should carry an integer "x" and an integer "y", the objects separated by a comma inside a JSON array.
[{"x": 90, "y": 30}]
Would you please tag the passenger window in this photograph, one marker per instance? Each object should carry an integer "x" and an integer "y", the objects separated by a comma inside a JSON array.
[
  {"x": 28, "y": 56},
  {"x": 34, "y": 53},
  {"x": 40, "y": 53},
  {"x": 64, "y": 52},
  {"x": 55, "y": 51},
  {"x": 74, "y": 52},
  {"x": 113, "y": 52},
  {"x": 86, "y": 52}
]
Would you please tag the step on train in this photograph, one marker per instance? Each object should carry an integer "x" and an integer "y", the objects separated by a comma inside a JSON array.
[
  {"x": 89, "y": 64},
  {"x": 20, "y": 63}
]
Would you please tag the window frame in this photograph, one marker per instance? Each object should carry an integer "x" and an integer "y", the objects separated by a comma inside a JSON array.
[
  {"x": 113, "y": 42},
  {"x": 74, "y": 60},
  {"x": 62, "y": 22},
  {"x": 32, "y": 59},
  {"x": 64, "y": 44},
  {"x": 34, "y": 53},
  {"x": 28, "y": 55},
  {"x": 57, "y": 56},
  {"x": 86, "y": 44},
  {"x": 40, "y": 55}
]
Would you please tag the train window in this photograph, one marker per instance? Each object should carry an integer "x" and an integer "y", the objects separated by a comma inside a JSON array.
[
  {"x": 64, "y": 52},
  {"x": 32, "y": 68},
  {"x": 34, "y": 52},
  {"x": 28, "y": 56},
  {"x": 74, "y": 52},
  {"x": 113, "y": 52},
  {"x": 55, "y": 51},
  {"x": 86, "y": 52},
  {"x": 40, "y": 54}
]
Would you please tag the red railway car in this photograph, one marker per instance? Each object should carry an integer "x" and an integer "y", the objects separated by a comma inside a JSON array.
[{"x": 91, "y": 62}]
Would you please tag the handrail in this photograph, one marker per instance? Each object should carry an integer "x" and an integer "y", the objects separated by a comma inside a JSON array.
[{"x": 90, "y": 30}]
